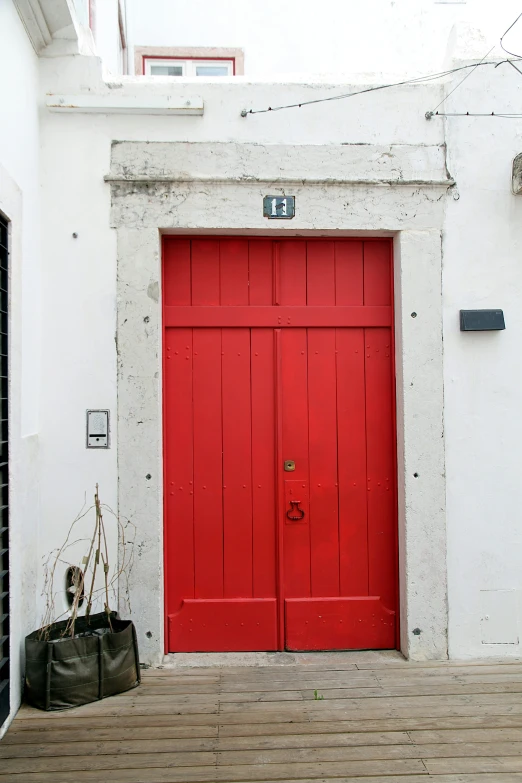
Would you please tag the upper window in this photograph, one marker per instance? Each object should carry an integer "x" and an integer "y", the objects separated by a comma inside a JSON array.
[
  {"x": 172, "y": 66},
  {"x": 204, "y": 61}
]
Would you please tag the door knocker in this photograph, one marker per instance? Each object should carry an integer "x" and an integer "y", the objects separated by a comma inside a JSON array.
[{"x": 295, "y": 507}]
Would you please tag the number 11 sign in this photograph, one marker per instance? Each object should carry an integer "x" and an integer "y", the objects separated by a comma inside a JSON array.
[{"x": 279, "y": 207}]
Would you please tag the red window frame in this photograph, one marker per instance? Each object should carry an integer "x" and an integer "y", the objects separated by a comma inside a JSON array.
[{"x": 185, "y": 59}]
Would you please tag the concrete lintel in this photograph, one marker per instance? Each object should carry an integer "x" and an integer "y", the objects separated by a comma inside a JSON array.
[
  {"x": 394, "y": 164},
  {"x": 276, "y": 180}
]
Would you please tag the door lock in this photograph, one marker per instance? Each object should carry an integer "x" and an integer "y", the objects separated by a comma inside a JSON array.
[{"x": 289, "y": 465}]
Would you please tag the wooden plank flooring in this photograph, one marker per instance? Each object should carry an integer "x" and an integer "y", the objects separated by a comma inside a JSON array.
[{"x": 380, "y": 720}]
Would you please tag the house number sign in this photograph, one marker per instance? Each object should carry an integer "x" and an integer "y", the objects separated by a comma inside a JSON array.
[{"x": 279, "y": 207}]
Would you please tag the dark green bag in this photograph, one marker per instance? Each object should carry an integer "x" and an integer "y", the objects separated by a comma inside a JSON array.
[{"x": 70, "y": 672}]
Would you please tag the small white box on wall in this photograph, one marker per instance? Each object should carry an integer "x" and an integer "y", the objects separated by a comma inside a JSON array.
[{"x": 499, "y": 621}]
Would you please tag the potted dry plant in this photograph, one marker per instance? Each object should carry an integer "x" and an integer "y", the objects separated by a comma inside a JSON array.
[{"x": 86, "y": 656}]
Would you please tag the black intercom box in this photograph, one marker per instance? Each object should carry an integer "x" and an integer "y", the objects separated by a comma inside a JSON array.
[{"x": 481, "y": 320}]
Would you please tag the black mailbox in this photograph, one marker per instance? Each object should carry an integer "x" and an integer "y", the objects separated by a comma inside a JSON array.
[{"x": 481, "y": 320}]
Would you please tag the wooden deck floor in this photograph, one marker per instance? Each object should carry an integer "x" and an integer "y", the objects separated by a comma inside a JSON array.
[{"x": 373, "y": 720}]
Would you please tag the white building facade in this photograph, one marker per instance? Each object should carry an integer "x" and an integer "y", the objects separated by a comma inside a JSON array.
[{"x": 98, "y": 163}]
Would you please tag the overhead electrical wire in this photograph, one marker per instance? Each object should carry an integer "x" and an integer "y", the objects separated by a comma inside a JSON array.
[
  {"x": 499, "y": 115},
  {"x": 417, "y": 80},
  {"x": 515, "y": 67},
  {"x": 471, "y": 67},
  {"x": 459, "y": 84},
  {"x": 504, "y": 35}
]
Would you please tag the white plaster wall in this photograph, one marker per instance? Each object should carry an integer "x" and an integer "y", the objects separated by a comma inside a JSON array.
[
  {"x": 401, "y": 37},
  {"x": 64, "y": 358},
  {"x": 19, "y": 201},
  {"x": 78, "y": 330},
  {"x": 482, "y": 237},
  {"x": 107, "y": 34},
  {"x": 80, "y": 288},
  {"x": 483, "y": 372},
  {"x": 19, "y": 153}
]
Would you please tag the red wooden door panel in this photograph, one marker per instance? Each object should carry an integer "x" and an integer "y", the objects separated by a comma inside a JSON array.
[
  {"x": 347, "y": 594},
  {"x": 219, "y": 438},
  {"x": 279, "y": 350}
]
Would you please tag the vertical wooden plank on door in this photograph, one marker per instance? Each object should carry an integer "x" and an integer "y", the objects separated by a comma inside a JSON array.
[
  {"x": 237, "y": 427},
  {"x": 179, "y": 489},
  {"x": 233, "y": 266},
  {"x": 322, "y": 426},
  {"x": 351, "y": 415},
  {"x": 176, "y": 275},
  {"x": 349, "y": 273},
  {"x": 279, "y": 491},
  {"x": 294, "y": 416},
  {"x": 260, "y": 272},
  {"x": 263, "y": 463},
  {"x": 264, "y": 521},
  {"x": 320, "y": 273},
  {"x": 377, "y": 272},
  {"x": 353, "y": 512},
  {"x": 291, "y": 283},
  {"x": 179, "y": 475},
  {"x": 208, "y": 441},
  {"x": 379, "y": 430},
  {"x": 205, "y": 271}
]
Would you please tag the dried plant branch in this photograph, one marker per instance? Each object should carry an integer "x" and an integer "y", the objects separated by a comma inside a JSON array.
[
  {"x": 97, "y": 531},
  {"x": 98, "y": 550},
  {"x": 49, "y": 573}
]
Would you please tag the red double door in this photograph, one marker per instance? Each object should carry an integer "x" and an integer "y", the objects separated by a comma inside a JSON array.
[{"x": 280, "y": 510}]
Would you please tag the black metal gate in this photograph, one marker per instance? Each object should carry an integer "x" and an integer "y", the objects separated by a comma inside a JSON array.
[{"x": 4, "y": 475}]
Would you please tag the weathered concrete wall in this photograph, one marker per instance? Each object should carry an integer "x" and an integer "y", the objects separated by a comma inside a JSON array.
[
  {"x": 420, "y": 444},
  {"x": 245, "y": 163}
]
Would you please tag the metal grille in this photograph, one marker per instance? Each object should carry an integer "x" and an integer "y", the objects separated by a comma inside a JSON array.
[{"x": 4, "y": 476}]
